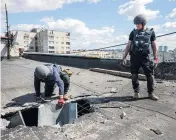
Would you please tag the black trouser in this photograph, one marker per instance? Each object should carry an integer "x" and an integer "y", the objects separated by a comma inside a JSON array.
[
  {"x": 49, "y": 87},
  {"x": 147, "y": 66}
]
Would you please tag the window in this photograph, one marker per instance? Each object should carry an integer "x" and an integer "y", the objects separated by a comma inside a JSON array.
[
  {"x": 31, "y": 47},
  {"x": 26, "y": 36},
  {"x": 51, "y": 32},
  {"x": 25, "y": 42},
  {"x": 62, "y": 42},
  {"x": 62, "y": 47},
  {"x": 51, "y": 42},
  {"x": 68, "y": 43},
  {"x": 51, "y": 47},
  {"x": 51, "y": 37},
  {"x": 51, "y": 51},
  {"x": 68, "y": 34}
]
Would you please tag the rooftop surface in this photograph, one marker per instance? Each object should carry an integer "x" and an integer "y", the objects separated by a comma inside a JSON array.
[{"x": 105, "y": 123}]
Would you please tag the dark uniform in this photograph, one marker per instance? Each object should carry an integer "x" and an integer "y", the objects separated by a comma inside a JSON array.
[{"x": 140, "y": 50}]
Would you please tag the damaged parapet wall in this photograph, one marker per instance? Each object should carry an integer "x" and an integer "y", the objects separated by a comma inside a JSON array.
[
  {"x": 166, "y": 71},
  {"x": 163, "y": 71}
]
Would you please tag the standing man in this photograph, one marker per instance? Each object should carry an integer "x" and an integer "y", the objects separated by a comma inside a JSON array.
[
  {"x": 140, "y": 41},
  {"x": 52, "y": 74}
]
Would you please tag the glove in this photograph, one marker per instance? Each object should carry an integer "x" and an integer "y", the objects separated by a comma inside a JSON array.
[
  {"x": 67, "y": 96},
  {"x": 155, "y": 62},
  {"x": 61, "y": 101}
]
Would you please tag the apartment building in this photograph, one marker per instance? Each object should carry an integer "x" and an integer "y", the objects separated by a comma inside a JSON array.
[
  {"x": 49, "y": 41},
  {"x": 24, "y": 40},
  {"x": 167, "y": 56},
  {"x": 42, "y": 40}
]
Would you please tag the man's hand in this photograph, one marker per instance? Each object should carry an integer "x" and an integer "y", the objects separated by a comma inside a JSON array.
[
  {"x": 124, "y": 62},
  {"x": 155, "y": 62}
]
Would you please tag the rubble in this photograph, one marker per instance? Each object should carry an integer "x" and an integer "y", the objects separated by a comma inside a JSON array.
[
  {"x": 113, "y": 90},
  {"x": 159, "y": 81},
  {"x": 4, "y": 123},
  {"x": 122, "y": 115}
]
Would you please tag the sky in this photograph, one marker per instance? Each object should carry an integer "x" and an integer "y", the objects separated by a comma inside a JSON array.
[{"x": 92, "y": 23}]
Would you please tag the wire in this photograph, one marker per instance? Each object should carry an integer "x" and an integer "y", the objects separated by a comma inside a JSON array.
[{"x": 122, "y": 44}]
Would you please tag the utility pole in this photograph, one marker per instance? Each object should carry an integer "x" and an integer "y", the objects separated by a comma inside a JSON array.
[{"x": 8, "y": 43}]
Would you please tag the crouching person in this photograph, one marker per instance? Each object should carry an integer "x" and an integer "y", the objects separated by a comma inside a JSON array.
[{"x": 52, "y": 75}]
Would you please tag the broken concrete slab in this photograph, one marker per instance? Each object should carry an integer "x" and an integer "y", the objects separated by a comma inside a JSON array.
[
  {"x": 4, "y": 123},
  {"x": 48, "y": 114}
]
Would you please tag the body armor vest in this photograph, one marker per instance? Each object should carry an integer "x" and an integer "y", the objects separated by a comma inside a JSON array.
[{"x": 141, "y": 42}]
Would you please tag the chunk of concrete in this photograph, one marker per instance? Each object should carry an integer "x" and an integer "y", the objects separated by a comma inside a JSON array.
[
  {"x": 122, "y": 115},
  {"x": 113, "y": 90},
  {"x": 4, "y": 123}
]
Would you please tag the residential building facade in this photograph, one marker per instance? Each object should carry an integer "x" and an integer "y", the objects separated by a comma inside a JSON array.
[{"x": 42, "y": 40}]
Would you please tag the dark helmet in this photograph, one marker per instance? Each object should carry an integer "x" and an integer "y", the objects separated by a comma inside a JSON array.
[{"x": 140, "y": 19}]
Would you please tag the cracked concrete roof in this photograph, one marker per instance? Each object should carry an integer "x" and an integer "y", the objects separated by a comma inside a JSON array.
[{"x": 105, "y": 123}]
